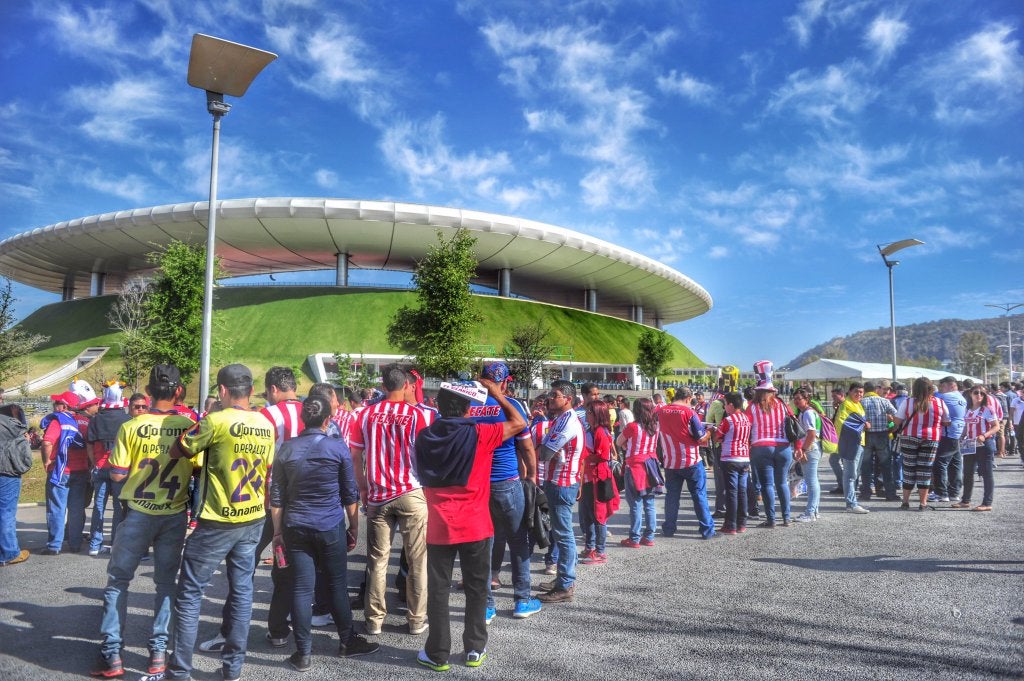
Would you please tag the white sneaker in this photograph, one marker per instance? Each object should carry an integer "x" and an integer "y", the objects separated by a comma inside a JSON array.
[
  {"x": 805, "y": 518},
  {"x": 214, "y": 645},
  {"x": 417, "y": 630},
  {"x": 857, "y": 509},
  {"x": 322, "y": 620}
]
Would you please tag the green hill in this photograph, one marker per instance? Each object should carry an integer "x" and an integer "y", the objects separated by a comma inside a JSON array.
[{"x": 269, "y": 326}]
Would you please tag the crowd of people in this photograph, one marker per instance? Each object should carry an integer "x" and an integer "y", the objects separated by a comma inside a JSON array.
[{"x": 472, "y": 473}]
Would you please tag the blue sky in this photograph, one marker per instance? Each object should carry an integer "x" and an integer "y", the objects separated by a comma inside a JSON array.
[{"x": 761, "y": 148}]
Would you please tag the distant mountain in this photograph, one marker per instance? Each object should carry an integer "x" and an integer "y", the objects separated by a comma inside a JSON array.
[{"x": 931, "y": 339}]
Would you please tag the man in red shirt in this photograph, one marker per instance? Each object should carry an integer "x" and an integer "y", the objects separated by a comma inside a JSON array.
[
  {"x": 682, "y": 433},
  {"x": 382, "y": 443},
  {"x": 67, "y": 465},
  {"x": 453, "y": 461}
]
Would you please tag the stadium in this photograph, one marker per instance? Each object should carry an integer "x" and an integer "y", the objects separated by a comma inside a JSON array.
[{"x": 597, "y": 296}]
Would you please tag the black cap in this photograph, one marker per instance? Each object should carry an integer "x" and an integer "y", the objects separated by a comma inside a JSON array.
[
  {"x": 165, "y": 374},
  {"x": 235, "y": 376}
]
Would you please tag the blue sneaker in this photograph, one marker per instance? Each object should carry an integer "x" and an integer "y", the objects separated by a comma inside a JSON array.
[
  {"x": 490, "y": 615},
  {"x": 526, "y": 608}
]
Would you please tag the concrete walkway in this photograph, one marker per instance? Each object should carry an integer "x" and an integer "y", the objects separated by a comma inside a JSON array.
[{"x": 890, "y": 595}]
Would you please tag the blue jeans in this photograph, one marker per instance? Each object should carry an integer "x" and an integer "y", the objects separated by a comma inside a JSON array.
[
  {"x": 836, "y": 463},
  {"x": 561, "y": 501},
  {"x": 507, "y": 508},
  {"x": 736, "y": 475},
  {"x": 327, "y": 550},
  {"x": 211, "y": 543},
  {"x": 643, "y": 517},
  {"x": 810, "y": 468},
  {"x": 949, "y": 468},
  {"x": 595, "y": 534},
  {"x": 104, "y": 488},
  {"x": 10, "y": 491},
  {"x": 877, "y": 444},
  {"x": 851, "y": 470},
  {"x": 772, "y": 465},
  {"x": 696, "y": 479},
  {"x": 66, "y": 503},
  {"x": 139, "y": 531}
]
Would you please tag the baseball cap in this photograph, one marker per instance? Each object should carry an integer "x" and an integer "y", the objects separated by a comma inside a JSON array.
[
  {"x": 496, "y": 371},
  {"x": 471, "y": 390},
  {"x": 166, "y": 374},
  {"x": 235, "y": 376},
  {"x": 69, "y": 398}
]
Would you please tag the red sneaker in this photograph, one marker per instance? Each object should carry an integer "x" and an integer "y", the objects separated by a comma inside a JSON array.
[
  {"x": 727, "y": 531},
  {"x": 587, "y": 555},
  {"x": 629, "y": 544},
  {"x": 646, "y": 542}
]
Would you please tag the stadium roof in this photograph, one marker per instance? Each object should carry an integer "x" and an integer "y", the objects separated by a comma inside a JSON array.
[{"x": 274, "y": 235}]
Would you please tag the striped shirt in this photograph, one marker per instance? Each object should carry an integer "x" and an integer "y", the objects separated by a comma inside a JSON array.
[
  {"x": 640, "y": 445},
  {"x": 285, "y": 417},
  {"x": 679, "y": 447},
  {"x": 766, "y": 427},
  {"x": 977, "y": 422},
  {"x": 538, "y": 429},
  {"x": 345, "y": 419},
  {"x": 386, "y": 432},
  {"x": 735, "y": 433},
  {"x": 565, "y": 438},
  {"x": 926, "y": 425},
  {"x": 878, "y": 411}
]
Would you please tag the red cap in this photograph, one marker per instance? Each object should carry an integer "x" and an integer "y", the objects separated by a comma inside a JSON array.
[{"x": 69, "y": 398}]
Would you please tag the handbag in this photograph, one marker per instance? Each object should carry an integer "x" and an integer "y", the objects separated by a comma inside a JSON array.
[
  {"x": 795, "y": 431},
  {"x": 604, "y": 490}
]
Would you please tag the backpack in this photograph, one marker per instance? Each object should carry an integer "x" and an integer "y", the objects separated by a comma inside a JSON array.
[
  {"x": 828, "y": 436},
  {"x": 15, "y": 451}
]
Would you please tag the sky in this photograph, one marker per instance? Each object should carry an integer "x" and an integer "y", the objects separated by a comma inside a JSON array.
[{"x": 764, "y": 149}]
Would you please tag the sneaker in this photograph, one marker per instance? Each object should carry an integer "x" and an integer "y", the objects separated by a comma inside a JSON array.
[
  {"x": 594, "y": 558},
  {"x": 300, "y": 662},
  {"x": 526, "y": 608},
  {"x": 932, "y": 496},
  {"x": 373, "y": 629},
  {"x": 805, "y": 518},
  {"x": 723, "y": 531},
  {"x": 558, "y": 595},
  {"x": 422, "y": 658},
  {"x": 718, "y": 514},
  {"x": 157, "y": 661},
  {"x": 20, "y": 558},
  {"x": 47, "y": 551},
  {"x": 214, "y": 645},
  {"x": 475, "y": 658},
  {"x": 417, "y": 629},
  {"x": 944, "y": 499},
  {"x": 356, "y": 646},
  {"x": 629, "y": 543},
  {"x": 857, "y": 509},
  {"x": 586, "y": 555},
  {"x": 768, "y": 525},
  {"x": 108, "y": 666},
  {"x": 548, "y": 586},
  {"x": 490, "y": 614},
  {"x": 322, "y": 620},
  {"x": 646, "y": 542},
  {"x": 550, "y": 569},
  {"x": 741, "y": 530},
  {"x": 277, "y": 642}
]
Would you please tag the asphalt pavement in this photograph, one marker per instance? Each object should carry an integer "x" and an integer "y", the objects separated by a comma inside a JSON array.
[{"x": 889, "y": 595}]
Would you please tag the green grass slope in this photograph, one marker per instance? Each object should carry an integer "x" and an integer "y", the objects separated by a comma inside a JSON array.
[{"x": 283, "y": 325}]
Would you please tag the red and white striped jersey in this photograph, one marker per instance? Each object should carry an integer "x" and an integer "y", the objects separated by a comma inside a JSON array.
[
  {"x": 735, "y": 433},
  {"x": 993, "y": 405},
  {"x": 678, "y": 446},
  {"x": 977, "y": 422},
  {"x": 766, "y": 427},
  {"x": 565, "y": 438},
  {"x": 286, "y": 419},
  {"x": 386, "y": 432},
  {"x": 925, "y": 425},
  {"x": 538, "y": 429},
  {"x": 345, "y": 420},
  {"x": 640, "y": 445}
]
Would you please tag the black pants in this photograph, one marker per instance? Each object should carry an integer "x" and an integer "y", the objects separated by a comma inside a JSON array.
[
  {"x": 716, "y": 453},
  {"x": 475, "y": 560}
]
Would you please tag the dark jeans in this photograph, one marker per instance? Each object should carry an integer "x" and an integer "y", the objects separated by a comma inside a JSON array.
[
  {"x": 876, "y": 448},
  {"x": 65, "y": 510},
  {"x": 210, "y": 544},
  {"x": 736, "y": 475},
  {"x": 948, "y": 470},
  {"x": 696, "y": 480},
  {"x": 836, "y": 463},
  {"x": 507, "y": 505},
  {"x": 983, "y": 460},
  {"x": 104, "y": 488},
  {"x": 719, "y": 473},
  {"x": 308, "y": 551},
  {"x": 475, "y": 560},
  {"x": 595, "y": 535}
]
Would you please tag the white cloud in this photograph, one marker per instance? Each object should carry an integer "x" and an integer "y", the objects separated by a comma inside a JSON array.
[
  {"x": 829, "y": 98},
  {"x": 328, "y": 179},
  {"x": 116, "y": 111},
  {"x": 885, "y": 35},
  {"x": 979, "y": 79},
  {"x": 687, "y": 86},
  {"x": 131, "y": 187},
  {"x": 759, "y": 216},
  {"x": 718, "y": 252},
  {"x": 802, "y": 23}
]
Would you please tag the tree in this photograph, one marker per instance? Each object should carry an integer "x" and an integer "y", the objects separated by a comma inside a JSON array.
[
  {"x": 973, "y": 353},
  {"x": 173, "y": 309},
  {"x": 128, "y": 317},
  {"x": 653, "y": 351},
  {"x": 526, "y": 350},
  {"x": 438, "y": 331},
  {"x": 15, "y": 343}
]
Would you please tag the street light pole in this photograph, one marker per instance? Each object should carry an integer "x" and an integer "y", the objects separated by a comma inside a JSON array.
[
  {"x": 219, "y": 67},
  {"x": 1007, "y": 307},
  {"x": 885, "y": 250}
]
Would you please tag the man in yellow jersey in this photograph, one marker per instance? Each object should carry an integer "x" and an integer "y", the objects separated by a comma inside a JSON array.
[
  {"x": 239, "y": 448},
  {"x": 156, "y": 489}
]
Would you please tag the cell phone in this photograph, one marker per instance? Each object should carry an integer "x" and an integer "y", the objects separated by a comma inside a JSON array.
[
  {"x": 280, "y": 559},
  {"x": 351, "y": 537}
]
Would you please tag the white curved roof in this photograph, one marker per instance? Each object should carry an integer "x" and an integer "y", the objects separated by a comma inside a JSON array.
[{"x": 273, "y": 235}]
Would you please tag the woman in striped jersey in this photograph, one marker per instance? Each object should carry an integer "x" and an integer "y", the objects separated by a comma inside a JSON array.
[
  {"x": 979, "y": 448},
  {"x": 923, "y": 416},
  {"x": 770, "y": 452},
  {"x": 639, "y": 440}
]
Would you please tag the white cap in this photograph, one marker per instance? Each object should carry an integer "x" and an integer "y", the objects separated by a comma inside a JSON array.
[{"x": 471, "y": 390}]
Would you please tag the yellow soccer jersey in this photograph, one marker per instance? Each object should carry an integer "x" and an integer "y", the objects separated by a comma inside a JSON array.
[
  {"x": 239, "y": 449},
  {"x": 156, "y": 484}
]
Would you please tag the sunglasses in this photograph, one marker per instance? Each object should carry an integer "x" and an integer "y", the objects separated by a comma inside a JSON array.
[
  {"x": 977, "y": 392},
  {"x": 137, "y": 406}
]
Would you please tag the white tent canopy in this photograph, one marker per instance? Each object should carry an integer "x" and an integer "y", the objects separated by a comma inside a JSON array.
[{"x": 836, "y": 370}]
